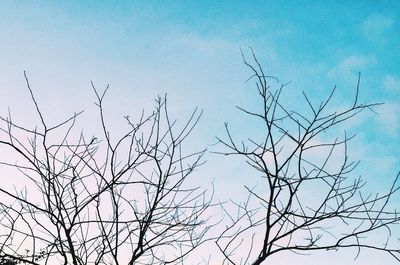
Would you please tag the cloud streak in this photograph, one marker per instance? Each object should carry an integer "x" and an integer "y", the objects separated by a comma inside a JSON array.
[
  {"x": 349, "y": 67},
  {"x": 375, "y": 26}
]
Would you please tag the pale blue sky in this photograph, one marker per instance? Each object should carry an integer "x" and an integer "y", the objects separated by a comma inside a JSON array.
[{"x": 191, "y": 50}]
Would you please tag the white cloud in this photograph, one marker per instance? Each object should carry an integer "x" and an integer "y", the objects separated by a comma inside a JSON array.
[
  {"x": 350, "y": 66},
  {"x": 391, "y": 83},
  {"x": 375, "y": 25},
  {"x": 389, "y": 118},
  {"x": 202, "y": 45}
]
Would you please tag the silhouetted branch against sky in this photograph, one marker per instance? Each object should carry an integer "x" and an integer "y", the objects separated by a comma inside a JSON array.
[
  {"x": 309, "y": 199},
  {"x": 307, "y": 120},
  {"x": 103, "y": 200}
]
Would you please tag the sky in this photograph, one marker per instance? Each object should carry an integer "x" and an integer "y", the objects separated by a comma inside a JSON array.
[{"x": 191, "y": 50}]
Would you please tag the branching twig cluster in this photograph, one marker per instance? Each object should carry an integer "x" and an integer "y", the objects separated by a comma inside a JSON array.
[
  {"x": 310, "y": 200},
  {"x": 126, "y": 200},
  {"x": 102, "y": 200}
]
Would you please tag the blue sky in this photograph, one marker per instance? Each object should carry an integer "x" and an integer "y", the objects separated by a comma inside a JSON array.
[{"x": 191, "y": 50}]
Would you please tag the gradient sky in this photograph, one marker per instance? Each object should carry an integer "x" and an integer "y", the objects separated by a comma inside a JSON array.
[{"x": 191, "y": 50}]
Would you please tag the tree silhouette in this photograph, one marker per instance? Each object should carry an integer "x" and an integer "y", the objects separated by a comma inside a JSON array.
[
  {"x": 103, "y": 199},
  {"x": 109, "y": 199},
  {"x": 309, "y": 200}
]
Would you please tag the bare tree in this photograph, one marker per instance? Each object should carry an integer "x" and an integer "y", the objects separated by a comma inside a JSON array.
[
  {"x": 125, "y": 199},
  {"x": 104, "y": 199},
  {"x": 309, "y": 200}
]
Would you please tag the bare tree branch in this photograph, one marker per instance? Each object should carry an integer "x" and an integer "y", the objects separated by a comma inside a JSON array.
[{"x": 284, "y": 215}]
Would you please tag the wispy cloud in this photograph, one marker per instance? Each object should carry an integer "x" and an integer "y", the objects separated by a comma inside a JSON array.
[
  {"x": 350, "y": 66},
  {"x": 206, "y": 46},
  {"x": 389, "y": 119},
  {"x": 375, "y": 26},
  {"x": 391, "y": 83}
]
